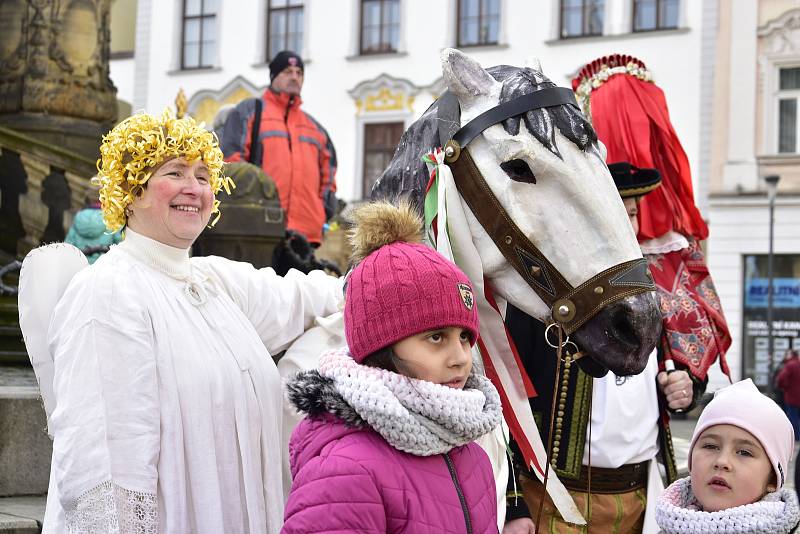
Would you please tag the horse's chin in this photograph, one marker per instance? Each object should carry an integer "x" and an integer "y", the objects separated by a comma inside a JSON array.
[{"x": 621, "y": 336}]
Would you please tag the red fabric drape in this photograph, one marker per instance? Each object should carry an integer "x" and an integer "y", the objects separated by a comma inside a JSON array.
[{"x": 631, "y": 118}]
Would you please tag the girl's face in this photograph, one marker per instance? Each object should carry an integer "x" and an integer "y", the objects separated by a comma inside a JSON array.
[
  {"x": 729, "y": 468},
  {"x": 442, "y": 356},
  {"x": 176, "y": 204}
]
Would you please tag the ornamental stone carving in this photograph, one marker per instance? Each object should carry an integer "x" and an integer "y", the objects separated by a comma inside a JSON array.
[
  {"x": 781, "y": 36},
  {"x": 54, "y": 59},
  {"x": 384, "y": 94}
]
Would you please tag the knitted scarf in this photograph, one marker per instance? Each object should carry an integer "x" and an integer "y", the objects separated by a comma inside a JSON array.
[
  {"x": 678, "y": 512},
  {"x": 414, "y": 416}
]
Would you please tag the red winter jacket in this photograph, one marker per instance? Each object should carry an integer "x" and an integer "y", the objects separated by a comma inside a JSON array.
[
  {"x": 789, "y": 382},
  {"x": 294, "y": 150}
]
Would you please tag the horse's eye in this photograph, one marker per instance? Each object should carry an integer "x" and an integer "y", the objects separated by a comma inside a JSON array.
[{"x": 518, "y": 170}]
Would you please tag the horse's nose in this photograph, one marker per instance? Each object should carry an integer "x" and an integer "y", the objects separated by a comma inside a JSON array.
[{"x": 623, "y": 334}]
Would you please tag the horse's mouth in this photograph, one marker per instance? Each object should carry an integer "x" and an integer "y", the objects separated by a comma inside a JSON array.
[{"x": 621, "y": 337}]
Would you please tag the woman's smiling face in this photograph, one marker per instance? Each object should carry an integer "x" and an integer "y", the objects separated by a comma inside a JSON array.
[
  {"x": 729, "y": 468},
  {"x": 175, "y": 205}
]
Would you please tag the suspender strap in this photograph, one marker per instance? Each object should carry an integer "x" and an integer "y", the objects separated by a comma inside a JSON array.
[{"x": 255, "y": 156}]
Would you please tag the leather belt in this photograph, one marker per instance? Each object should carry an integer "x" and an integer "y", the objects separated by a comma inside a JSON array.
[{"x": 623, "y": 479}]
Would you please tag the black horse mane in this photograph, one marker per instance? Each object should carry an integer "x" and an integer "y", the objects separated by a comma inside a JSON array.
[{"x": 407, "y": 175}]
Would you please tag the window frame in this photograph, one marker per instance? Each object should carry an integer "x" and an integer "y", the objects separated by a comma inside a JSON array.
[
  {"x": 385, "y": 122},
  {"x": 285, "y": 46},
  {"x": 201, "y": 18},
  {"x": 481, "y": 15},
  {"x": 584, "y": 18},
  {"x": 785, "y": 94},
  {"x": 396, "y": 47},
  {"x": 658, "y": 26}
]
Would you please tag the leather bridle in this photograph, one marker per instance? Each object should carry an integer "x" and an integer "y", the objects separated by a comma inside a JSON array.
[{"x": 570, "y": 307}]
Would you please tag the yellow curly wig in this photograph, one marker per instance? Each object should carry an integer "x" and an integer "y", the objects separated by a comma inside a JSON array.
[{"x": 138, "y": 145}]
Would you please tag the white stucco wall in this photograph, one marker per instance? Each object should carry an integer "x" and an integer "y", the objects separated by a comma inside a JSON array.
[
  {"x": 122, "y": 73},
  {"x": 528, "y": 30}
]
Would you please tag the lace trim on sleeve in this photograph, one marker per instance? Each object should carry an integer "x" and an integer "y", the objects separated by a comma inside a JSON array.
[{"x": 111, "y": 509}]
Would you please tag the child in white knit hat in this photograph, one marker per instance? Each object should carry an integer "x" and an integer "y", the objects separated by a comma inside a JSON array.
[{"x": 738, "y": 463}]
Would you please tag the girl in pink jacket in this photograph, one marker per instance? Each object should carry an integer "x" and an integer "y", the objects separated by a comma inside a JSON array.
[{"x": 387, "y": 444}]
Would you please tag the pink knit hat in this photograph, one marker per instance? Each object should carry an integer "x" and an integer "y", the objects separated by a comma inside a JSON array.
[
  {"x": 742, "y": 405},
  {"x": 400, "y": 288}
]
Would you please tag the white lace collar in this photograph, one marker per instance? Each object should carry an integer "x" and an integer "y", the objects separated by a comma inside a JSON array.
[{"x": 172, "y": 261}]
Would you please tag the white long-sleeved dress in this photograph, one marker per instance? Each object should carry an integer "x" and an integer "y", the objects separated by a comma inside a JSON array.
[{"x": 168, "y": 404}]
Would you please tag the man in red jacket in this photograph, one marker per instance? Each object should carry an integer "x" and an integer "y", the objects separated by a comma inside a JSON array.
[
  {"x": 789, "y": 382},
  {"x": 291, "y": 147}
]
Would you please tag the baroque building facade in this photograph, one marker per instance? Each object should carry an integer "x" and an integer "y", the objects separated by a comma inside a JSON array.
[{"x": 728, "y": 70}]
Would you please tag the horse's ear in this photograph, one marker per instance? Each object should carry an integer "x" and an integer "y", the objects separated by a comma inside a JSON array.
[
  {"x": 534, "y": 63},
  {"x": 464, "y": 76}
]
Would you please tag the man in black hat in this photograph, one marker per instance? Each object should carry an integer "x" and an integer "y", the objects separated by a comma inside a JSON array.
[
  {"x": 292, "y": 148},
  {"x": 628, "y": 419}
]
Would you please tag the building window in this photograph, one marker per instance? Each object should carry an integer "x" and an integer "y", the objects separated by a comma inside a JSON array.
[
  {"x": 478, "y": 22},
  {"x": 199, "y": 43},
  {"x": 380, "y": 141},
  {"x": 788, "y": 96},
  {"x": 581, "y": 18},
  {"x": 285, "y": 24},
  {"x": 785, "y": 313},
  {"x": 380, "y": 26},
  {"x": 655, "y": 14}
]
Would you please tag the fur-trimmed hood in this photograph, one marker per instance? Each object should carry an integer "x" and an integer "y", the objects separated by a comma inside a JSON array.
[
  {"x": 329, "y": 417},
  {"x": 315, "y": 395}
]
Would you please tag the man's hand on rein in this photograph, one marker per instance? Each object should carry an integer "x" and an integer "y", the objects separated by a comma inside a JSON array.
[{"x": 678, "y": 389}]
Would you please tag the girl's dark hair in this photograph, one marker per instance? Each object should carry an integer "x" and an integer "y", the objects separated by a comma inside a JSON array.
[{"x": 383, "y": 359}]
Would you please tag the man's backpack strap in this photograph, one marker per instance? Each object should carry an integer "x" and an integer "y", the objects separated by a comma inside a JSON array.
[{"x": 255, "y": 147}]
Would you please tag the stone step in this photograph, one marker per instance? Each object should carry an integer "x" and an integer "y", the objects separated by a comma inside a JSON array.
[
  {"x": 10, "y": 331},
  {"x": 9, "y": 313},
  {"x": 14, "y": 356},
  {"x": 25, "y": 462},
  {"x": 22, "y": 515}
]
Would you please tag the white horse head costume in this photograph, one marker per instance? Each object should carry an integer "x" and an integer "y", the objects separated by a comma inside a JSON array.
[
  {"x": 547, "y": 170},
  {"x": 521, "y": 199}
]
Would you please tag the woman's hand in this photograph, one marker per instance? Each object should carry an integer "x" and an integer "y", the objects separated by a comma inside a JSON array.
[
  {"x": 677, "y": 388},
  {"x": 523, "y": 525}
]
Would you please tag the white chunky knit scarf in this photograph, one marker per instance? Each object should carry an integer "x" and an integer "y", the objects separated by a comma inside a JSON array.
[
  {"x": 678, "y": 512},
  {"x": 414, "y": 416}
]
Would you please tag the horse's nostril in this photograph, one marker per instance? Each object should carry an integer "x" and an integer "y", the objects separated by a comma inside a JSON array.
[{"x": 622, "y": 327}]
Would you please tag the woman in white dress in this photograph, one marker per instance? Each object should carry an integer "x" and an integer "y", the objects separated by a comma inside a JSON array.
[{"x": 168, "y": 404}]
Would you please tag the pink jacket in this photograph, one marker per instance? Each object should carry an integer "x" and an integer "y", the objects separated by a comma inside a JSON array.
[{"x": 349, "y": 479}]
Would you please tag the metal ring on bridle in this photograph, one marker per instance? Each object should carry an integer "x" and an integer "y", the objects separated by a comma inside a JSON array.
[
  {"x": 568, "y": 353},
  {"x": 547, "y": 338}
]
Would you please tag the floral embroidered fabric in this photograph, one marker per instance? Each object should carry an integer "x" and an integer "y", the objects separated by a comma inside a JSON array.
[
  {"x": 111, "y": 509},
  {"x": 695, "y": 331}
]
